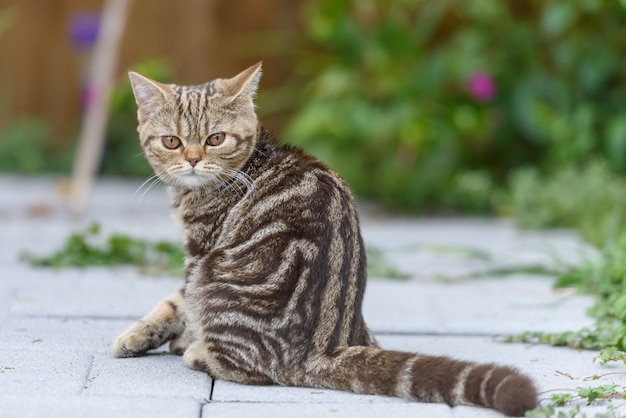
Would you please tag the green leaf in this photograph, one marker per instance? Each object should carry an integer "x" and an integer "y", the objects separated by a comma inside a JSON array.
[
  {"x": 557, "y": 17},
  {"x": 619, "y": 307},
  {"x": 560, "y": 399},
  {"x": 90, "y": 248}
]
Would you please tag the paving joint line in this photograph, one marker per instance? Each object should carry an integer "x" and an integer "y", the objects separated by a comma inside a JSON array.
[
  {"x": 378, "y": 333},
  {"x": 212, "y": 388},
  {"x": 86, "y": 382},
  {"x": 75, "y": 317}
]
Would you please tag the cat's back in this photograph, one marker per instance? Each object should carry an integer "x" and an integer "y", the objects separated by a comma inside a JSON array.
[{"x": 294, "y": 189}]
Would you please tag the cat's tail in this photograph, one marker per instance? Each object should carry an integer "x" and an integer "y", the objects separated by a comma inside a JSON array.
[{"x": 424, "y": 378}]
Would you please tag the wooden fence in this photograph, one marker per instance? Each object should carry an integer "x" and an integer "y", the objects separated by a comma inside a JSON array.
[{"x": 41, "y": 69}]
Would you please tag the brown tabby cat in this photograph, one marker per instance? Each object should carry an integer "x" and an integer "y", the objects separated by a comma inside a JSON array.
[{"x": 275, "y": 267}]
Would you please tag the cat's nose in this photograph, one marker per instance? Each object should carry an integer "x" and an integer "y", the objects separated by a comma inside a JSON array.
[{"x": 193, "y": 160}]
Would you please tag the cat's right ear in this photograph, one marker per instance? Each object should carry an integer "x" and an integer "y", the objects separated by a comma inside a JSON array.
[{"x": 149, "y": 94}]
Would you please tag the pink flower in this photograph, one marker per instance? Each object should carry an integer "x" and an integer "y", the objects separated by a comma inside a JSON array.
[
  {"x": 90, "y": 94},
  {"x": 482, "y": 87}
]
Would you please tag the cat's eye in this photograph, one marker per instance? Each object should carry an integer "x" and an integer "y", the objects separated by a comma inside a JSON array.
[
  {"x": 216, "y": 139},
  {"x": 171, "y": 142}
]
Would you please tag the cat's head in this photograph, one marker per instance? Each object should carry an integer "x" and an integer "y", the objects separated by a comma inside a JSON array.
[{"x": 196, "y": 136}]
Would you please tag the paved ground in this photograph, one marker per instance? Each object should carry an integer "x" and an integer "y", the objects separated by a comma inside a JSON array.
[{"x": 58, "y": 325}]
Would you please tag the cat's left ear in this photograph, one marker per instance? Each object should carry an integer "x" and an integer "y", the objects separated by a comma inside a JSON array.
[{"x": 244, "y": 84}]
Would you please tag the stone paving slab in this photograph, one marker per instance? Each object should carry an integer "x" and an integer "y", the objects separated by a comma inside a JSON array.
[
  {"x": 59, "y": 334},
  {"x": 477, "y": 307},
  {"x": 334, "y": 410},
  {"x": 154, "y": 375},
  {"x": 347, "y": 410},
  {"x": 29, "y": 406},
  {"x": 94, "y": 292},
  {"x": 42, "y": 372},
  {"x": 232, "y": 392},
  {"x": 453, "y": 248}
]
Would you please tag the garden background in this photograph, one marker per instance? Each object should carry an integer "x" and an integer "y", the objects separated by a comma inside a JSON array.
[
  {"x": 448, "y": 107},
  {"x": 428, "y": 107}
]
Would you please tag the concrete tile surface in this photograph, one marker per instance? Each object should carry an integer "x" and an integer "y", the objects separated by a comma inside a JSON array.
[
  {"x": 160, "y": 375},
  {"x": 334, "y": 410},
  {"x": 233, "y": 392},
  {"x": 59, "y": 333},
  {"x": 78, "y": 292},
  {"x": 57, "y": 326},
  {"x": 484, "y": 307},
  {"x": 29, "y": 406},
  {"x": 42, "y": 372}
]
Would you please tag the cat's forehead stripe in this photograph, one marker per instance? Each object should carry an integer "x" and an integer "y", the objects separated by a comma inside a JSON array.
[{"x": 207, "y": 89}]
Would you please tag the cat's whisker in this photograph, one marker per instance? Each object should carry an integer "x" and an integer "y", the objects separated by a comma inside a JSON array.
[
  {"x": 146, "y": 185},
  {"x": 230, "y": 185},
  {"x": 245, "y": 182},
  {"x": 149, "y": 179},
  {"x": 221, "y": 184},
  {"x": 154, "y": 182},
  {"x": 237, "y": 186}
]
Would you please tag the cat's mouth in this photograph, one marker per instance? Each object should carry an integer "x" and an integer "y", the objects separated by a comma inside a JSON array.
[{"x": 192, "y": 178}]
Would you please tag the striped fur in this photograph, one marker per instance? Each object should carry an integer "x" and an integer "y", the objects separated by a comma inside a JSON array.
[{"x": 275, "y": 267}]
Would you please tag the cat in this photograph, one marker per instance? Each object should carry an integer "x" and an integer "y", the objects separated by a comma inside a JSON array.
[{"x": 275, "y": 268}]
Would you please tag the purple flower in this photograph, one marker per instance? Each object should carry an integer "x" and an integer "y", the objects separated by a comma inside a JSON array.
[
  {"x": 83, "y": 29},
  {"x": 482, "y": 86}
]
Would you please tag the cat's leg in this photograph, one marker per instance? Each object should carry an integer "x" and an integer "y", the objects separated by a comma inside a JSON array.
[
  {"x": 221, "y": 366},
  {"x": 165, "y": 322},
  {"x": 180, "y": 344}
]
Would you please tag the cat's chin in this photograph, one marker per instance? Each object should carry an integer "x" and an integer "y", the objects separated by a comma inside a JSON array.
[{"x": 192, "y": 181}]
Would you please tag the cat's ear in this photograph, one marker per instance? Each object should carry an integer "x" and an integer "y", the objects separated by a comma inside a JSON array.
[
  {"x": 149, "y": 94},
  {"x": 244, "y": 84}
]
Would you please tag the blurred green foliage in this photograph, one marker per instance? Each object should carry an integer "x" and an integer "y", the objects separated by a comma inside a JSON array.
[
  {"x": 91, "y": 248},
  {"x": 391, "y": 108},
  {"x": 589, "y": 198},
  {"x": 7, "y": 18},
  {"x": 25, "y": 149}
]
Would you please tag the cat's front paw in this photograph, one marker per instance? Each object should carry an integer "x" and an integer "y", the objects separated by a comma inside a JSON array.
[
  {"x": 129, "y": 347},
  {"x": 132, "y": 343}
]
